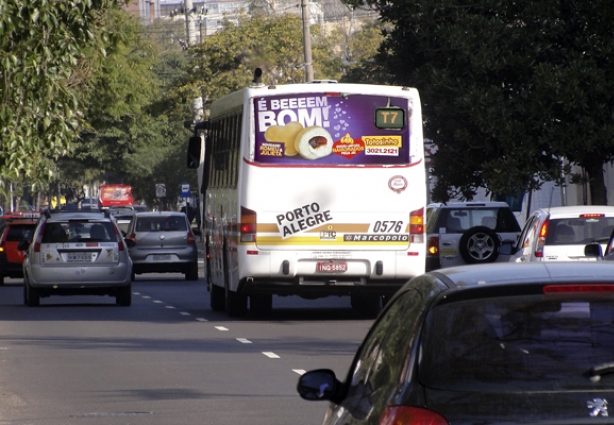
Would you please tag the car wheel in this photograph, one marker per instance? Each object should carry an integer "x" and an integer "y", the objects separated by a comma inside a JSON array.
[
  {"x": 236, "y": 304},
  {"x": 124, "y": 296},
  {"x": 478, "y": 245},
  {"x": 192, "y": 273},
  {"x": 218, "y": 298},
  {"x": 31, "y": 298},
  {"x": 261, "y": 303},
  {"x": 1, "y": 280}
]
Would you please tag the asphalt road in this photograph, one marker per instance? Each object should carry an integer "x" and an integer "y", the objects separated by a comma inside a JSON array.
[{"x": 167, "y": 359}]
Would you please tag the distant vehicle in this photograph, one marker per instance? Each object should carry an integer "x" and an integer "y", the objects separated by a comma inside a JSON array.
[
  {"x": 468, "y": 233},
  {"x": 118, "y": 198},
  {"x": 15, "y": 227},
  {"x": 75, "y": 253},
  {"x": 163, "y": 242},
  {"x": 494, "y": 343},
  {"x": 141, "y": 208},
  {"x": 561, "y": 233},
  {"x": 313, "y": 190}
]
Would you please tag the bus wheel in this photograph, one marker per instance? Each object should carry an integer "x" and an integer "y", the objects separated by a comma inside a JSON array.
[
  {"x": 261, "y": 303},
  {"x": 218, "y": 298},
  {"x": 236, "y": 304},
  {"x": 367, "y": 304}
]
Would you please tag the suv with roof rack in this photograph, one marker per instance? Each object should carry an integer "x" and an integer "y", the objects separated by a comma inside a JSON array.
[
  {"x": 468, "y": 233},
  {"x": 74, "y": 253}
]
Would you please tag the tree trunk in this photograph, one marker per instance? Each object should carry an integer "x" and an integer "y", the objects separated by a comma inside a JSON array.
[{"x": 598, "y": 191}]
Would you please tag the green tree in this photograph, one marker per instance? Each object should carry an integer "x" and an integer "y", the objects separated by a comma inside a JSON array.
[
  {"x": 510, "y": 89},
  {"x": 44, "y": 67}
]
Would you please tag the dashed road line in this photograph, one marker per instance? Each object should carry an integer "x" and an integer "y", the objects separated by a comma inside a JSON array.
[
  {"x": 271, "y": 355},
  {"x": 299, "y": 371},
  {"x": 221, "y": 328},
  {"x": 201, "y": 319},
  {"x": 244, "y": 340}
]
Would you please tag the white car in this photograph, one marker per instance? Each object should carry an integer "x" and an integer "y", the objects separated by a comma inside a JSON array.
[{"x": 561, "y": 233}]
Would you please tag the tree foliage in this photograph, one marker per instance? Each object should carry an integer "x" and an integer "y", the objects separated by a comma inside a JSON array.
[
  {"x": 44, "y": 72},
  {"x": 513, "y": 92}
]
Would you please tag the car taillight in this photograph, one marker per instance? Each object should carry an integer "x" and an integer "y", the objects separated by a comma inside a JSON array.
[
  {"x": 541, "y": 240},
  {"x": 584, "y": 288},
  {"x": 404, "y": 415},
  {"x": 191, "y": 238},
  {"x": 433, "y": 246},
  {"x": 118, "y": 236},
  {"x": 248, "y": 225},
  {"x": 416, "y": 225}
]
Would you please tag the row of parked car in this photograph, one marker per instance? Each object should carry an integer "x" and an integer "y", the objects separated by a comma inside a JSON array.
[
  {"x": 87, "y": 252},
  {"x": 508, "y": 326}
]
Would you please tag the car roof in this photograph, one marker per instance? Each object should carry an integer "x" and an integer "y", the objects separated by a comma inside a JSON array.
[
  {"x": 456, "y": 204},
  {"x": 159, "y": 213},
  {"x": 77, "y": 215},
  {"x": 496, "y": 274},
  {"x": 575, "y": 210}
]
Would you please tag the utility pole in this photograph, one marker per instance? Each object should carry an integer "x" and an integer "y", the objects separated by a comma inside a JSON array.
[
  {"x": 307, "y": 41},
  {"x": 190, "y": 27}
]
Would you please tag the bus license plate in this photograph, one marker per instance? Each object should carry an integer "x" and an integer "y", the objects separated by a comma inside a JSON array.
[
  {"x": 332, "y": 266},
  {"x": 79, "y": 257}
]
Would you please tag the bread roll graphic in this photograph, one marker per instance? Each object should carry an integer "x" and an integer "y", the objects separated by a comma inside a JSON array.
[
  {"x": 313, "y": 142},
  {"x": 284, "y": 134}
]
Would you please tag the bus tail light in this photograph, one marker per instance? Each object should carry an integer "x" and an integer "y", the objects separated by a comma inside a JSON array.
[
  {"x": 541, "y": 240},
  {"x": 405, "y": 415},
  {"x": 248, "y": 225},
  {"x": 416, "y": 226}
]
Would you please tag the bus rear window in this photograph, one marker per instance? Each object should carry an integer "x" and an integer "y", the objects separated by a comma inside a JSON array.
[{"x": 331, "y": 129}]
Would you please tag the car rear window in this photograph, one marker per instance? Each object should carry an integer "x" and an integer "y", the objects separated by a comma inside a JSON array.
[
  {"x": 79, "y": 231},
  {"x": 459, "y": 220},
  {"x": 17, "y": 233},
  {"x": 578, "y": 231},
  {"x": 161, "y": 224},
  {"x": 518, "y": 343}
]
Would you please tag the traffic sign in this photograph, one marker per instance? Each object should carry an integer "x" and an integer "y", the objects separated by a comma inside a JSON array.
[{"x": 185, "y": 190}]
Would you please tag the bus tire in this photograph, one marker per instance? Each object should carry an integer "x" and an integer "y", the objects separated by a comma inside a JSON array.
[
  {"x": 368, "y": 305},
  {"x": 479, "y": 245},
  {"x": 218, "y": 298},
  {"x": 236, "y": 304},
  {"x": 261, "y": 303}
]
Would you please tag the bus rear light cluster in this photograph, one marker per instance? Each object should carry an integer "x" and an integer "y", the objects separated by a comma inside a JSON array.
[
  {"x": 416, "y": 226},
  {"x": 248, "y": 225}
]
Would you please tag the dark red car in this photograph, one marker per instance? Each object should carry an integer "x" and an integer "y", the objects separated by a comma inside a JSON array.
[{"x": 14, "y": 227}]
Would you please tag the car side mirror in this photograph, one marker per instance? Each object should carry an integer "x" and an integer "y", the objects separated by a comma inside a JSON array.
[
  {"x": 317, "y": 385},
  {"x": 593, "y": 250},
  {"x": 23, "y": 245}
]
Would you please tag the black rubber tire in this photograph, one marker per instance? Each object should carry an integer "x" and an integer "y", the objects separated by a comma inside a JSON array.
[
  {"x": 368, "y": 305},
  {"x": 218, "y": 298},
  {"x": 261, "y": 303},
  {"x": 124, "y": 296},
  {"x": 1, "y": 280},
  {"x": 236, "y": 304},
  {"x": 31, "y": 298},
  {"x": 192, "y": 273},
  {"x": 479, "y": 245}
]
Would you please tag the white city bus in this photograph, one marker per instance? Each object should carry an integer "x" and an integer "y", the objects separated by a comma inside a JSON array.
[{"x": 311, "y": 190}]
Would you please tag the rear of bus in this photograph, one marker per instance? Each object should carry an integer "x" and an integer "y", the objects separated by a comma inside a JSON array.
[{"x": 332, "y": 191}]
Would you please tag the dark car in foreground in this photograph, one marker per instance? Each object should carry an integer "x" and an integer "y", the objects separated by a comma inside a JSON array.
[
  {"x": 163, "y": 242},
  {"x": 498, "y": 343}
]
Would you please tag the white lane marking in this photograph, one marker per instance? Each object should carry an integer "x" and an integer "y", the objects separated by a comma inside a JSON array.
[
  {"x": 184, "y": 313},
  {"x": 136, "y": 293},
  {"x": 169, "y": 306},
  {"x": 244, "y": 340},
  {"x": 147, "y": 297},
  {"x": 271, "y": 355},
  {"x": 299, "y": 371},
  {"x": 201, "y": 319},
  {"x": 157, "y": 301},
  {"x": 221, "y": 328}
]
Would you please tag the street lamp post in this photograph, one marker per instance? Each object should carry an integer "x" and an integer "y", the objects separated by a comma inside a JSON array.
[{"x": 307, "y": 42}]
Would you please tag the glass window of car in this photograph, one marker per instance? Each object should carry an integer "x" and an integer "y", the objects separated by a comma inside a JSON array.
[
  {"x": 20, "y": 232},
  {"x": 462, "y": 219},
  {"x": 78, "y": 231},
  {"x": 382, "y": 356},
  {"x": 517, "y": 343},
  {"x": 161, "y": 224},
  {"x": 578, "y": 231}
]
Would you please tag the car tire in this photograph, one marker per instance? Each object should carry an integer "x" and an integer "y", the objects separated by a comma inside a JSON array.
[
  {"x": 261, "y": 303},
  {"x": 31, "y": 297},
  {"x": 192, "y": 273},
  {"x": 218, "y": 298},
  {"x": 479, "y": 245},
  {"x": 124, "y": 296},
  {"x": 1, "y": 280}
]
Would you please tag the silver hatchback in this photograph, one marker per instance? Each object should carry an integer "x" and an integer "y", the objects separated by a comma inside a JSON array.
[
  {"x": 163, "y": 242},
  {"x": 77, "y": 252}
]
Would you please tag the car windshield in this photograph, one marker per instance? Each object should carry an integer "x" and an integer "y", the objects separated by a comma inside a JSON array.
[
  {"x": 578, "y": 231},
  {"x": 17, "y": 233},
  {"x": 161, "y": 224},
  {"x": 518, "y": 343},
  {"x": 458, "y": 220}
]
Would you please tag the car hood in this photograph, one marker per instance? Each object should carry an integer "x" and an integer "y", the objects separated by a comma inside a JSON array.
[{"x": 526, "y": 407}]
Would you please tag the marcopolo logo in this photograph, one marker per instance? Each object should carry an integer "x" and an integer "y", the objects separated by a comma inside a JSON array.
[{"x": 301, "y": 219}]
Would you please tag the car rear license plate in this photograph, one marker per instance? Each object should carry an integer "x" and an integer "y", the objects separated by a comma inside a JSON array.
[
  {"x": 332, "y": 266},
  {"x": 79, "y": 257},
  {"x": 161, "y": 257}
]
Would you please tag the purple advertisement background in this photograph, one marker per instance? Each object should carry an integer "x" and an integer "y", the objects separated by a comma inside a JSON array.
[{"x": 339, "y": 116}]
